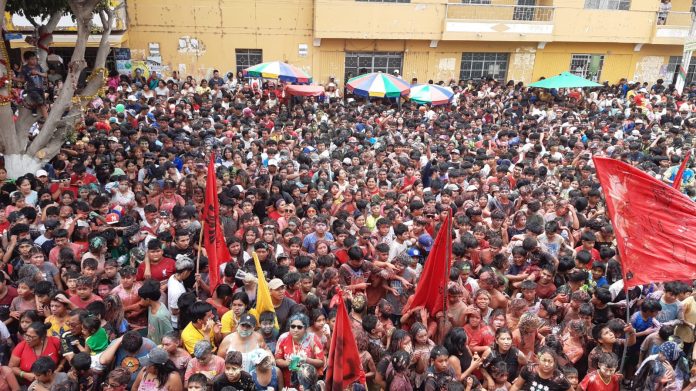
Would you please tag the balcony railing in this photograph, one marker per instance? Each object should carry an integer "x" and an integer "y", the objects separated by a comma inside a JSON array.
[
  {"x": 500, "y": 10},
  {"x": 674, "y": 19}
]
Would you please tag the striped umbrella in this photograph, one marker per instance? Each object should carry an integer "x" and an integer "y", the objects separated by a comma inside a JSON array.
[
  {"x": 278, "y": 70},
  {"x": 431, "y": 93},
  {"x": 378, "y": 84}
]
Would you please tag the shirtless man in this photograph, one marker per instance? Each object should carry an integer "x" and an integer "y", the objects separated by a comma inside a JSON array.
[{"x": 489, "y": 282}]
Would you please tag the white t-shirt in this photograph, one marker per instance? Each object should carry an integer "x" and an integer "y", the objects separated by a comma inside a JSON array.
[{"x": 175, "y": 288}]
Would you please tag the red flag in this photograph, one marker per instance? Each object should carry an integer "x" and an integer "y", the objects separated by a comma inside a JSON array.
[
  {"x": 345, "y": 367},
  {"x": 213, "y": 238},
  {"x": 432, "y": 286},
  {"x": 680, "y": 173},
  {"x": 653, "y": 224}
]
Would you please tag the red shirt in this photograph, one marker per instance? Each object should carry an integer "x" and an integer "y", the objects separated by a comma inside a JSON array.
[
  {"x": 27, "y": 356},
  {"x": 592, "y": 382},
  {"x": 9, "y": 296},
  {"x": 160, "y": 271},
  {"x": 593, "y": 252},
  {"x": 75, "y": 299},
  {"x": 483, "y": 336},
  {"x": 310, "y": 347}
]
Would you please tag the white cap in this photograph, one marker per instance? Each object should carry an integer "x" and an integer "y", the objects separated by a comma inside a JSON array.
[
  {"x": 272, "y": 162},
  {"x": 41, "y": 173}
]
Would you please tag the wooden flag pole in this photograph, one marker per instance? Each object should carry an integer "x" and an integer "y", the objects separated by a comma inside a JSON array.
[{"x": 200, "y": 248}]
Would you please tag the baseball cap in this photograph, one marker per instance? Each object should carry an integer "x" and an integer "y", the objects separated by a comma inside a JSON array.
[
  {"x": 272, "y": 162},
  {"x": 41, "y": 173},
  {"x": 112, "y": 138},
  {"x": 426, "y": 241},
  {"x": 248, "y": 320},
  {"x": 51, "y": 224},
  {"x": 156, "y": 356},
  {"x": 276, "y": 283}
]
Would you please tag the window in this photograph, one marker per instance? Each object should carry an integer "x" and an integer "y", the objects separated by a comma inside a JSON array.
[
  {"x": 622, "y": 5},
  {"x": 248, "y": 57},
  {"x": 588, "y": 66},
  {"x": 385, "y": 1},
  {"x": 673, "y": 69},
  {"x": 358, "y": 63},
  {"x": 476, "y": 1},
  {"x": 483, "y": 65}
]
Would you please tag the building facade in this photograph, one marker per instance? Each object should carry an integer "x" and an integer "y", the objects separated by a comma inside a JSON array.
[{"x": 520, "y": 40}]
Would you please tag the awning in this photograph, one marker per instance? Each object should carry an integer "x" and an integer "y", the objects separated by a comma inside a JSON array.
[{"x": 304, "y": 90}]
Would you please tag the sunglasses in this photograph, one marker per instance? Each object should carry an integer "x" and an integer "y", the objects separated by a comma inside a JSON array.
[{"x": 297, "y": 326}]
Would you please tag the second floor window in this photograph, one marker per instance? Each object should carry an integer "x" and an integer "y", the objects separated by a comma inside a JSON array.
[{"x": 622, "y": 5}]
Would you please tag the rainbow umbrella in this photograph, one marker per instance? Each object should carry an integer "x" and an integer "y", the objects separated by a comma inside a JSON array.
[
  {"x": 378, "y": 84},
  {"x": 431, "y": 93},
  {"x": 278, "y": 70}
]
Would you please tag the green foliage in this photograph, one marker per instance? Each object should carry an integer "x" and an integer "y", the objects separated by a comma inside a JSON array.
[{"x": 37, "y": 8}]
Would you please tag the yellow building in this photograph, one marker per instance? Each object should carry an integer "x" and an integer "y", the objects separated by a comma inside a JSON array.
[{"x": 519, "y": 40}]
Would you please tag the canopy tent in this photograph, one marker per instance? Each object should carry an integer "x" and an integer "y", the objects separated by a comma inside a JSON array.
[
  {"x": 304, "y": 90},
  {"x": 278, "y": 70},
  {"x": 565, "y": 80},
  {"x": 379, "y": 85}
]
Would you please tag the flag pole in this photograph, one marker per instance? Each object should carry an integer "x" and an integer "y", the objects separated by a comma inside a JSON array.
[
  {"x": 200, "y": 248},
  {"x": 448, "y": 260},
  {"x": 628, "y": 316}
]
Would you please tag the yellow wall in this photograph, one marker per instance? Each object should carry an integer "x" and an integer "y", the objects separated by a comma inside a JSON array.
[
  {"x": 220, "y": 26},
  {"x": 620, "y": 60},
  {"x": 329, "y": 28}
]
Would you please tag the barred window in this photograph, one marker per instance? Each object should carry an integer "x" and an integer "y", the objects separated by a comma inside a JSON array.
[
  {"x": 248, "y": 57},
  {"x": 622, "y": 5},
  {"x": 483, "y": 65},
  {"x": 588, "y": 66},
  {"x": 358, "y": 63}
]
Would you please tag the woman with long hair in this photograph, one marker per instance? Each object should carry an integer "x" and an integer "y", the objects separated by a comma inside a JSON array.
[
  {"x": 543, "y": 375},
  {"x": 460, "y": 357},
  {"x": 114, "y": 314},
  {"x": 158, "y": 374}
]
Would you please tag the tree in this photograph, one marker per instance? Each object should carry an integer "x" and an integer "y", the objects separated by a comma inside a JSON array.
[{"x": 21, "y": 154}]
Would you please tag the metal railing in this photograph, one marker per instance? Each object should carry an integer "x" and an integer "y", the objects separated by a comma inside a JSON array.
[
  {"x": 500, "y": 10},
  {"x": 674, "y": 18}
]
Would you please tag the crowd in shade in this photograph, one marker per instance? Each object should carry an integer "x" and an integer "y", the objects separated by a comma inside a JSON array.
[{"x": 106, "y": 284}]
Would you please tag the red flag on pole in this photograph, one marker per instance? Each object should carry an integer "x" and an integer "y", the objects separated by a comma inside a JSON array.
[
  {"x": 213, "y": 238},
  {"x": 655, "y": 224},
  {"x": 432, "y": 286},
  {"x": 345, "y": 367},
  {"x": 680, "y": 173}
]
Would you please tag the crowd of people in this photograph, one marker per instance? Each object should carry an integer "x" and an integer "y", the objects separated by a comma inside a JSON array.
[{"x": 104, "y": 284}]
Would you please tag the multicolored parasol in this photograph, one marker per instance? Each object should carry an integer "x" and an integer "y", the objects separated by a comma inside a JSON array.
[
  {"x": 278, "y": 70},
  {"x": 378, "y": 85},
  {"x": 431, "y": 93}
]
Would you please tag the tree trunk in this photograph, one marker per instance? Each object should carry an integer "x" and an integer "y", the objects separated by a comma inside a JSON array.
[
  {"x": 82, "y": 10},
  {"x": 8, "y": 136},
  {"x": 20, "y": 164},
  {"x": 21, "y": 156},
  {"x": 44, "y": 38}
]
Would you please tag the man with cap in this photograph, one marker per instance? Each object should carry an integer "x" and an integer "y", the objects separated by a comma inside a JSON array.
[
  {"x": 424, "y": 244},
  {"x": 42, "y": 176},
  {"x": 281, "y": 303},
  {"x": 244, "y": 340}
]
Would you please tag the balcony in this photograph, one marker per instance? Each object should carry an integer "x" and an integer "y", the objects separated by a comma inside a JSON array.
[
  {"x": 521, "y": 20},
  {"x": 672, "y": 27}
]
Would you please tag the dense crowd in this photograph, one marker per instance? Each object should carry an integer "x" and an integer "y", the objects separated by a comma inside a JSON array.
[{"x": 104, "y": 286}]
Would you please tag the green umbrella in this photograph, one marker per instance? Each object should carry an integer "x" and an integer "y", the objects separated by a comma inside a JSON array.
[{"x": 565, "y": 80}]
